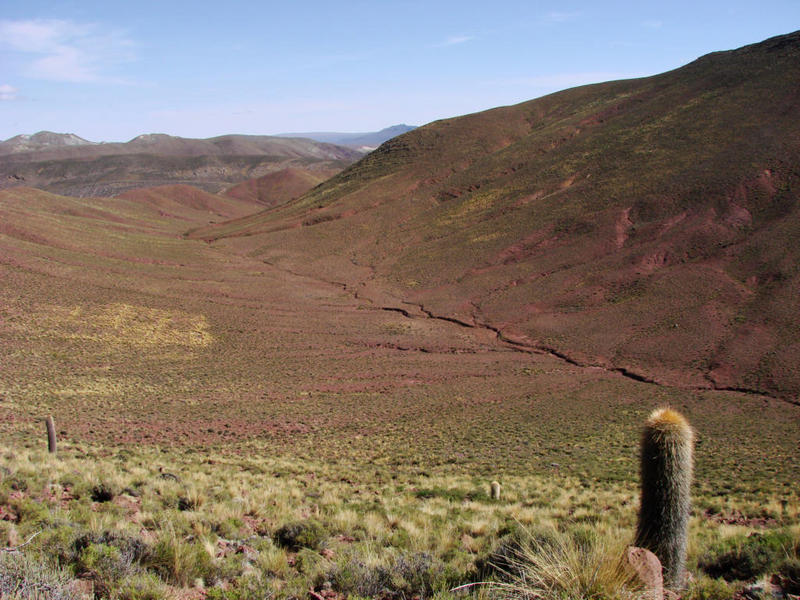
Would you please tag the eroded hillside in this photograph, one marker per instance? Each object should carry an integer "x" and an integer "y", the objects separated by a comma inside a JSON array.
[{"x": 646, "y": 226}]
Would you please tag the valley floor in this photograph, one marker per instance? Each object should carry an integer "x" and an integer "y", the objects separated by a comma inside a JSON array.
[{"x": 256, "y": 427}]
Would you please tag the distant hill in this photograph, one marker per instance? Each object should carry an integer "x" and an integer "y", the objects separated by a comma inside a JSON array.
[
  {"x": 360, "y": 141},
  {"x": 67, "y": 164},
  {"x": 44, "y": 140},
  {"x": 649, "y": 227},
  {"x": 278, "y": 187}
]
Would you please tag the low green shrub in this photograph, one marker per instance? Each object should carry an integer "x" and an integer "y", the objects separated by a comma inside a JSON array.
[
  {"x": 131, "y": 549},
  {"x": 246, "y": 588},
  {"x": 410, "y": 574},
  {"x": 230, "y": 528},
  {"x": 744, "y": 559},
  {"x": 24, "y": 577},
  {"x": 141, "y": 586},
  {"x": 419, "y": 574},
  {"x": 102, "y": 492},
  {"x": 355, "y": 577},
  {"x": 32, "y": 512},
  {"x": 104, "y": 562},
  {"x": 179, "y": 561},
  {"x": 706, "y": 588},
  {"x": 789, "y": 573},
  {"x": 302, "y": 534}
]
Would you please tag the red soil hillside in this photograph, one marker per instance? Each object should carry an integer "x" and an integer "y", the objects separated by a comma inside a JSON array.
[
  {"x": 647, "y": 226},
  {"x": 190, "y": 203},
  {"x": 130, "y": 334},
  {"x": 279, "y": 187}
]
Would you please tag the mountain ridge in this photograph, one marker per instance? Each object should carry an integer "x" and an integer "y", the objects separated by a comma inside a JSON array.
[
  {"x": 365, "y": 141},
  {"x": 647, "y": 226},
  {"x": 40, "y": 141},
  {"x": 213, "y": 164}
]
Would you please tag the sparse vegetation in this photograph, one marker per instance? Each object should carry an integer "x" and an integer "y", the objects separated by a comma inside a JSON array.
[
  {"x": 249, "y": 412},
  {"x": 553, "y": 535}
]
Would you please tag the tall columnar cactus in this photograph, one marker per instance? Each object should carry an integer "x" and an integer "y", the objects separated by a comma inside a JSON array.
[
  {"x": 494, "y": 488},
  {"x": 666, "y": 477},
  {"x": 51, "y": 435}
]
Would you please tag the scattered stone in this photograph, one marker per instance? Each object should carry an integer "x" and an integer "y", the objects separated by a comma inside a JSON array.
[
  {"x": 131, "y": 505},
  {"x": 648, "y": 569},
  {"x": 737, "y": 518},
  {"x": 345, "y": 538}
]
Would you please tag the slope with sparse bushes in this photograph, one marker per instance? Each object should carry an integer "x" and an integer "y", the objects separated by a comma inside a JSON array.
[{"x": 647, "y": 226}]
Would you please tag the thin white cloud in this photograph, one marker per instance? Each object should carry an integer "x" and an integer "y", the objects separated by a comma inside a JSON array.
[
  {"x": 653, "y": 24},
  {"x": 60, "y": 50},
  {"x": 454, "y": 40},
  {"x": 555, "y": 16},
  {"x": 8, "y": 92}
]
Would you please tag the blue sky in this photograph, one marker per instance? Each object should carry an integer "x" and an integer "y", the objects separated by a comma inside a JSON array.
[{"x": 112, "y": 69}]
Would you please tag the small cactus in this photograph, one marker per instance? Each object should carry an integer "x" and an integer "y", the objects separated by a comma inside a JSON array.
[
  {"x": 51, "y": 435},
  {"x": 666, "y": 476},
  {"x": 494, "y": 490}
]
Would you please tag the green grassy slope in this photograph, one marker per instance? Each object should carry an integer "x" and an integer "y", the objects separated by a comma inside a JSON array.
[{"x": 648, "y": 226}]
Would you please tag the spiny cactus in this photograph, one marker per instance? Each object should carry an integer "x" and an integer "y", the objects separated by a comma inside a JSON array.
[
  {"x": 495, "y": 490},
  {"x": 666, "y": 476},
  {"x": 51, "y": 435}
]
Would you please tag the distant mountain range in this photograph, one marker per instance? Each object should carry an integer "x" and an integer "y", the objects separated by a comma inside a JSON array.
[
  {"x": 359, "y": 141},
  {"x": 67, "y": 164}
]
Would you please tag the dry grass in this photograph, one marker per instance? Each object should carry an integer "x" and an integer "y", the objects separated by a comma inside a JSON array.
[
  {"x": 550, "y": 564},
  {"x": 216, "y": 517}
]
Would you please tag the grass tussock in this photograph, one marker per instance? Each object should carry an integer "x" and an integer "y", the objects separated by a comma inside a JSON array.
[
  {"x": 25, "y": 578},
  {"x": 553, "y": 564}
]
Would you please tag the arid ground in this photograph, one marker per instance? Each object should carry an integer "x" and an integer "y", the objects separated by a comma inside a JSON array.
[{"x": 311, "y": 398}]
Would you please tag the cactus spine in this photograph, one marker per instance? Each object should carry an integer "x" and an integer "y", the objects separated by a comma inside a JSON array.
[
  {"x": 666, "y": 477},
  {"x": 495, "y": 490},
  {"x": 51, "y": 435}
]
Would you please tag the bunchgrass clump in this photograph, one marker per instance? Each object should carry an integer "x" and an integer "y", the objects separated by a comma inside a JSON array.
[
  {"x": 550, "y": 564},
  {"x": 23, "y": 577}
]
